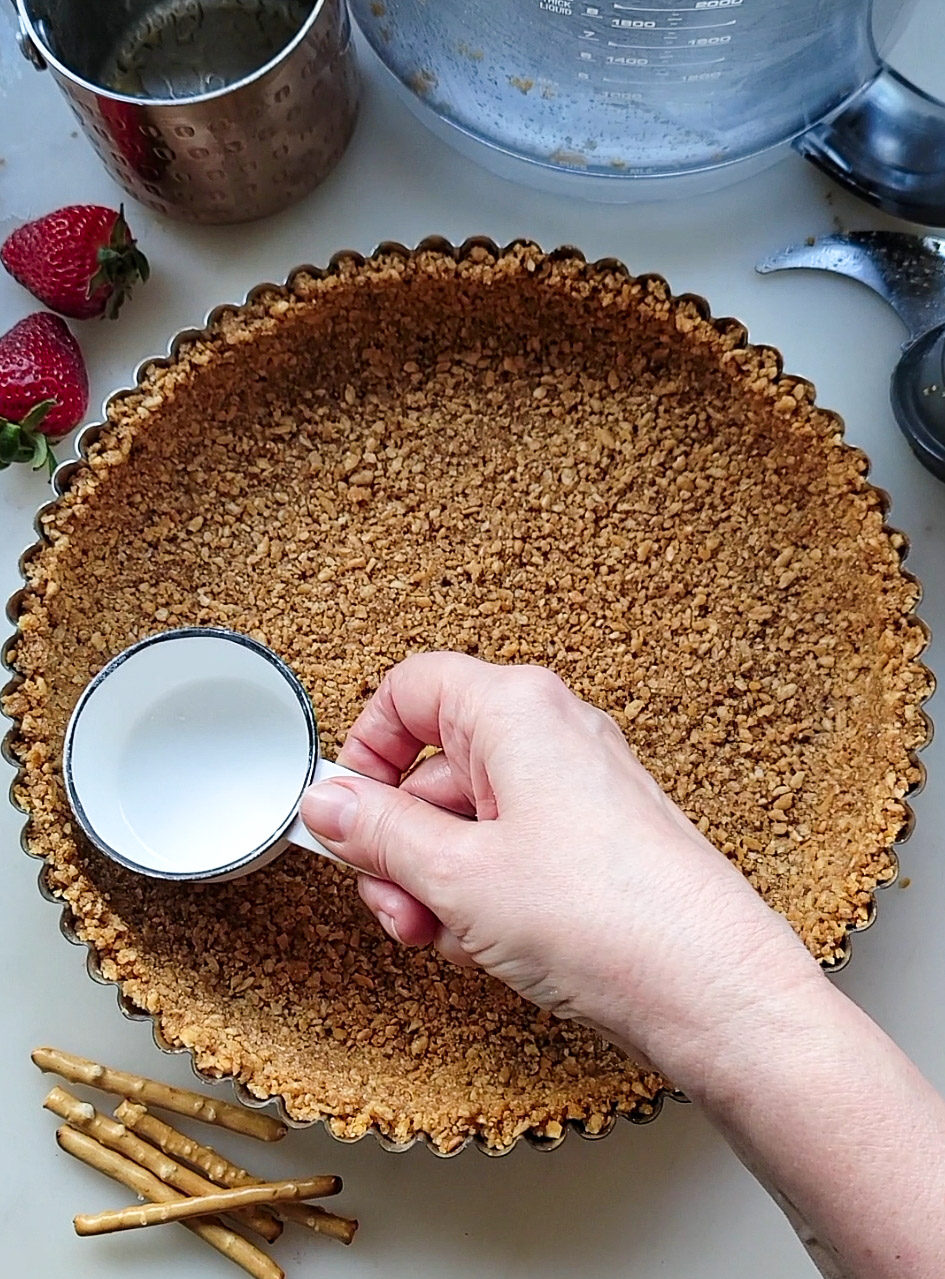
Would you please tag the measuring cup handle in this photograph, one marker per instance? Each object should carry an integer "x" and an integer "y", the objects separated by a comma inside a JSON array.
[
  {"x": 298, "y": 833},
  {"x": 885, "y": 144}
]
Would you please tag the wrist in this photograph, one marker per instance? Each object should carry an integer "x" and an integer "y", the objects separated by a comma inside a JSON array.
[
  {"x": 756, "y": 995},
  {"x": 829, "y": 1114},
  {"x": 730, "y": 1063}
]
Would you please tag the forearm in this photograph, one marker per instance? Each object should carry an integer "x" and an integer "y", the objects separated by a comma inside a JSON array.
[
  {"x": 833, "y": 1117},
  {"x": 583, "y": 887}
]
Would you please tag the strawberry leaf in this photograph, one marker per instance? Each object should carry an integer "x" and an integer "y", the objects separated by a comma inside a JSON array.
[
  {"x": 9, "y": 443},
  {"x": 24, "y": 442},
  {"x": 36, "y": 416},
  {"x": 43, "y": 455},
  {"x": 121, "y": 264}
]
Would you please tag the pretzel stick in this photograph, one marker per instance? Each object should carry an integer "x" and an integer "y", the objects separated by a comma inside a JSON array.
[
  {"x": 210, "y": 1162},
  {"x": 116, "y": 1137},
  {"x": 155, "y": 1214},
  {"x": 144, "y": 1183},
  {"x": 79, "y": 1070},
  {"x": 320, "y": 1220},
  {"x": 219, "y": 1169}
]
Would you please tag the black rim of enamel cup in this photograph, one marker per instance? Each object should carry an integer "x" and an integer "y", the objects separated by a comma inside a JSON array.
[{"x": 187, "y": 632}]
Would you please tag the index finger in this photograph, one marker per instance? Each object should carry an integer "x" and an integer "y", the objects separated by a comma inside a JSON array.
[{"x": 414, "y": 702}]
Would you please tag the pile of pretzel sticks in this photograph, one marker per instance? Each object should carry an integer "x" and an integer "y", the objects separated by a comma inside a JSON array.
[{"x": 183, "y": 1180}]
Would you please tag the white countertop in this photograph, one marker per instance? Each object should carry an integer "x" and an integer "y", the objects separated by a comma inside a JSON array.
[{"x": 664, "y": 1200}]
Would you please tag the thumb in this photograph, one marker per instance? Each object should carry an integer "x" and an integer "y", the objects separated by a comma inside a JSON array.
[{"x": 386, "y": 832}]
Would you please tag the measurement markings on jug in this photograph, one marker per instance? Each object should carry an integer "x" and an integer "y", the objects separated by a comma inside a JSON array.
[{"x": 666, "y": 43}]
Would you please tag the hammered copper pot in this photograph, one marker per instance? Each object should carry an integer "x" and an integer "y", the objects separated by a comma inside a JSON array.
[{"x": 210, "y": 111}]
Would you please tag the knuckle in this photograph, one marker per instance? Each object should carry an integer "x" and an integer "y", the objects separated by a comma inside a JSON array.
[
  {"x": 450, "y": 863},
  {"x": 381, "y": 830},
  {"x": 599, "y": 723},
  {"x": 412, "y": 662},
  {"x": 446, "y": 861},
  {"x": 404, "y": 847},
  {"x": 539, "y": 684}
]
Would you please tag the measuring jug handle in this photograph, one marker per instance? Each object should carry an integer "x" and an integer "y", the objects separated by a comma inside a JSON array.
[
  {"x": 298, "y": 833},
  {"x": 886, "y": 144}
]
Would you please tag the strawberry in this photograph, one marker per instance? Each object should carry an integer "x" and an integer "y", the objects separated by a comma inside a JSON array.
[
  {"x": 44, "y": 389},
  {"x": 80, "y": 261}
]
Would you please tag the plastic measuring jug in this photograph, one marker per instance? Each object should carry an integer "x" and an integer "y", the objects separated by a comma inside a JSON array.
[{"x": 644, "y": 97}]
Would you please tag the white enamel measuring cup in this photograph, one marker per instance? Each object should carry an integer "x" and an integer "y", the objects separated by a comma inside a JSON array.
[{"x": 187, "y": 756}]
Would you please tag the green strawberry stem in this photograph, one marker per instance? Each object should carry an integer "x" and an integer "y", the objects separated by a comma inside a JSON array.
[
  {"x": 25, "y": 442},
  {"x": 120, "y": 265}
]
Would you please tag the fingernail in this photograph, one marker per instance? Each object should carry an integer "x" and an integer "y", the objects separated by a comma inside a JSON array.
[
  {"x": 387, "y": 923},
  {"x": 329, "y": 810}
]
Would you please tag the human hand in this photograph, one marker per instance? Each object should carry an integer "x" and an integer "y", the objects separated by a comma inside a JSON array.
[{"x": 580, "y": 883}]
